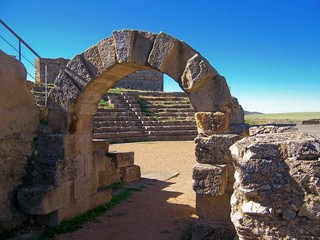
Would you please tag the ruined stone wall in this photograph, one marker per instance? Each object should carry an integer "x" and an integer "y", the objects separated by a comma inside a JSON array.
[
  {"x": 276, "y": 193},
  {"x": 142, "y": 80},
  {"x": 19, "y": 121},
  {"x": 55, "y": 64}
]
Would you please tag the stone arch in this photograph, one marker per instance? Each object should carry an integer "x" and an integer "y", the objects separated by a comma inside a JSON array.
[{"x": 74, "y": 100}]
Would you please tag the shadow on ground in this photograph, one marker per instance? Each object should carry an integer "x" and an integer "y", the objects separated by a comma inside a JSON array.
[{"x": 152, "y": 213}]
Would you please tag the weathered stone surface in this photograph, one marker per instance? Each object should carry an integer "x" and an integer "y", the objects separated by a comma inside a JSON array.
[
  {"x": 85, "y": 186},
  {"x": 215, "y": 149},
  {"x": 100, "y": 145},
  {"x": 77, "y": 70},
  {"x": 143, "y": 43},
  {"x": 202, "y": 229},
  {"x": 209, "y": 179},
  {"x": 197, "y": 71},
  {"x": 212, "y": 96},
  {"x": 107, "y": 52},
  {"x": 19, "y": 121},
  {"x": 162, "y": 47},
  {"x": 277, "y": 186},
  {"x": 92, "y": 60},
  {"x": 130, "y": 173},
  {"x": 106, "y": 171},
  {"x": 122, "y": 159},
  {"x": 51, "y": 146},
  {"x": 215, "y": 209},
  {"x": 271, "y": 129},
  {"x": 124, "y": 43},
  {"x": 237, "y": 113},
  {"x": 43, "y": 199},
  {"x": 209, "y": 123}
]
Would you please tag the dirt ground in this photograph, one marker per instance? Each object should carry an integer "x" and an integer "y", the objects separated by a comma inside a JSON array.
[{"x": 165, "y": 209}]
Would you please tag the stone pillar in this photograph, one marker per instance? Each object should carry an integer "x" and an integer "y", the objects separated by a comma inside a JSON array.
[{"x": 213, "y": 176}]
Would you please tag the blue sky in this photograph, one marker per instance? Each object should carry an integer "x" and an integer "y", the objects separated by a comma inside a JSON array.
[{"x": 269, "y": 51}]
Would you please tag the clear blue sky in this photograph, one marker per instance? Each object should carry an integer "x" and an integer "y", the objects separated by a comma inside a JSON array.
[{"x": 269, "y": 51}]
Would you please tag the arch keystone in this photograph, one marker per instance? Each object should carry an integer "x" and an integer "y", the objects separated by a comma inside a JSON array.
[{"x": 124, "y": 44}]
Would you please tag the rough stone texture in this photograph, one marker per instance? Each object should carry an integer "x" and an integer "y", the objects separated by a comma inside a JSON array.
[
  {"x": 19, "y": 121},
  {"x": 277, "y": 186},
  {"x": 197, "y": 71},
  {"x": 212, "y": 96},
  {"x": 130, "y": 173},
  {"x": 122, "y": 159},
  {"x": 143, "y": 80},
  {"x": 100, "y": 145},
  {"x": 209, "y": 179},
  {"x": 41, "y": 199},
  {"x": 53, "y": 68},
  {"x": 215, "y": 149},
  {"x": 209, "y": 123},
  {"x": 271, "y": 129},
  {"x": 204, "y": 230}
]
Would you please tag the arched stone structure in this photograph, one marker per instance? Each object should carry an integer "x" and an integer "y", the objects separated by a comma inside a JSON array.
[{"x": 74, "y": 100}]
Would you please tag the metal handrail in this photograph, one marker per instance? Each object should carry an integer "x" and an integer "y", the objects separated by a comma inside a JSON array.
[{"x": 33, "y": 51}]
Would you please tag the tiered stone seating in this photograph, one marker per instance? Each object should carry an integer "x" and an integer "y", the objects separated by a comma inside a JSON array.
[{"x": 164, "y": 116}]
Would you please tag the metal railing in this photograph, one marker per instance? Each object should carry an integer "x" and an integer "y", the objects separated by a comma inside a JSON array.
[{"x": 20, "y": 55}]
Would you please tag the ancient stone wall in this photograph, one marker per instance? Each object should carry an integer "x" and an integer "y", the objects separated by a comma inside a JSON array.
[
  {"x": 276, "y": 193},
  {"x": 19, "y": 121},
  {"x": 53, "y": 68},
  {"x": 142, "y": 80}
]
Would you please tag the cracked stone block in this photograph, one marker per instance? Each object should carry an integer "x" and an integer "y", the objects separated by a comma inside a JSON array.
[
  {"x": 209, "y": 179},
  {"x": 215, "y": 148}
]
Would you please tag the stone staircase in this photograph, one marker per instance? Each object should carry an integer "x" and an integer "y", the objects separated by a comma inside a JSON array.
[{"x": 145, "y": 116}]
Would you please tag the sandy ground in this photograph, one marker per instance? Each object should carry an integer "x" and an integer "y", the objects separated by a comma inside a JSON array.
[{"x": 163, "y": 210}]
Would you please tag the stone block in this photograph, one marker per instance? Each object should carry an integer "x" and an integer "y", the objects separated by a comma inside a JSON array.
[
  {"x": 123, "y": 43},
  {"x": 109, "y": 175},
  {"x": 215, "y": 149},
  {"x": 212, "y": 96},
  {"x": 209, "y": 123},
  {"x": 51, "y": 146},
  {"x": 107, "y": 52},
  {"x": 161, "y": 49},
  {"x": 98, "y": 198},
  {"x": 49, "y": 171},
  {"x": 85, "y": 186},
  {"x": 143, "y": 43},
  {"x": 55, "y": 218},
  {"x": 202, "y": 229},
  {"x": 101, "y": 145},
  {"x": 210, "y": 180},
  {"x": 122, "y": 159},
  {"x": 92, "y": 59},
  {"x": 77, "y": 71},
  {"x": 40, "y": 199},
  {"x": 57, "y": 119},
  {"x": 215, "y": 209},
  {"x": 130, "y": 173},
  {"x": 198, "y": 70}
]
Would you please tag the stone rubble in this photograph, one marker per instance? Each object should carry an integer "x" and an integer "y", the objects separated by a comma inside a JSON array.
[{"x": 276, "y": 193}]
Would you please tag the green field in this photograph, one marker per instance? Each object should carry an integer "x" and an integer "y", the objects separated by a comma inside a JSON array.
[{"x": 280, "y": 117}]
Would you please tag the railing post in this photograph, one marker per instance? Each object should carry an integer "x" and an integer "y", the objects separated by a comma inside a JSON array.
[
  {"x": 19, "y": 50},
  {"x": 45, "y": 84}
]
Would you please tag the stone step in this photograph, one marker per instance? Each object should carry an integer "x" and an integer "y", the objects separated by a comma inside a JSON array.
[
  {"x": 125, "y": 134},
  {"x": 163, "y": 98},
  {"x": 117, "y": 123},
  {"x": 102, "y": 129},
  {"x": 175, "y": 114},
  {"x": 162, "y": 105},
  {"x": 171, "y": 127},
  {"x": 172, "y": 110},
  {"x": 173, "y": 132}
]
